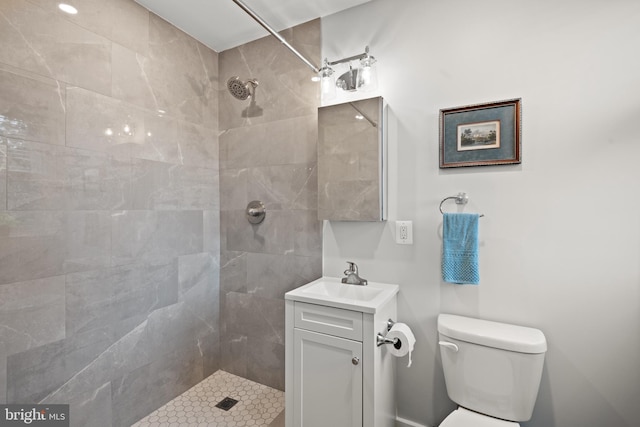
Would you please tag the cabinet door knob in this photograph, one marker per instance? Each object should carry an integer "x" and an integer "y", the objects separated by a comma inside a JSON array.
[{"x": 355, "y": 360}]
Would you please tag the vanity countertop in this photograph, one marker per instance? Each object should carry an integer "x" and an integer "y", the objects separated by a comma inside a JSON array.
[{"x": 329, "y": 291}]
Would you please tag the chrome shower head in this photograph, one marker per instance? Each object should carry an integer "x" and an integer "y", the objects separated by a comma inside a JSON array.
[{"x": 239, "y": 89}]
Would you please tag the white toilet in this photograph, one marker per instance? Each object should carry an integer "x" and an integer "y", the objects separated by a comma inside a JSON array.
[{"x": 492, "y": 370}]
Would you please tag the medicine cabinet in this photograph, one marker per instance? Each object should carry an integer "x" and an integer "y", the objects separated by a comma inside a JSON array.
[{"x": 352, "y": 161}]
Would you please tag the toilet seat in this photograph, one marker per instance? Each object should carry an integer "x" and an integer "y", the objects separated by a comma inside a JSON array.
[{"x": 462, "y": 417}]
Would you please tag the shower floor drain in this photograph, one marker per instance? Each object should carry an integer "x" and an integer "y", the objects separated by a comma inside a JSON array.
[{"x": 226, "y": 403}]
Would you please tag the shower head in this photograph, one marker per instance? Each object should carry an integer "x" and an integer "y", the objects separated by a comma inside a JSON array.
[{"x": 239, "y": 89}]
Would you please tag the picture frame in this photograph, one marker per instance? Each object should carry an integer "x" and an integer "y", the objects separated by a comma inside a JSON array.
[{"x": 481, "y": 134}]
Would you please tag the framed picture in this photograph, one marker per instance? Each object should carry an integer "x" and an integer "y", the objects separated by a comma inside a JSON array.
[{"x": 481, "y": 135}]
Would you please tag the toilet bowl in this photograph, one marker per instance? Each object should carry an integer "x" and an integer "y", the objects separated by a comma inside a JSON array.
[{"x": 492, "y": 370}]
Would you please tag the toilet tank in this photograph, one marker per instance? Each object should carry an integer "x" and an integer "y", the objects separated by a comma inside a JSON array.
[{"x": 490, "y": 367}]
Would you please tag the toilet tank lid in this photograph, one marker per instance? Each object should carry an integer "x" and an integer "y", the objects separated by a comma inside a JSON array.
[{"x": 492, "y": 334}]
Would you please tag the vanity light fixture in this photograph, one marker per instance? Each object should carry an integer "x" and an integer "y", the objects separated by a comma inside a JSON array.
[
  {"x": 363, "y": 77},
  {"x": 67, "y": 8}
]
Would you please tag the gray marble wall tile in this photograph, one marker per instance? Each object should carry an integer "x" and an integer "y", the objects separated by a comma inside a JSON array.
[
  {"x": 32, "y": 108},
  {"x": 174, "y": 141},
  {"x": 197, "y": 145},
  {"x": 3, "y": 375},
  {"x": 97, "y": 122},
  {"x": 46, "y": 177},
  {"x": 233, "y": 272},
  {"x": 140, "y": 392},
  {"x": 211, "y": 231},
  {"x": 31, "y": 314},
  {"x": 199, "y": 284},
  {"x": 143, "y": 390},
  {"x": 161, "y": 139},
  {"x": 233, "y": 354},
  {"x": 209, "y": 345},
  {"x": 282, "y": 232},
  {"x": 265, "y": 362},
  {"x": 110, "y": 109},
  {"x": 177, "y": 58},
  {"x": 307, "y": 235},
  {"x": 155, "y": 236},
  {"x": 271, "y": 276},
  {"x": 210, "y": 105},
  {"x": 111, "y": 295},
  {"x": 122, "y": 21},
  {"x": 129, "y": 24},
  {"x": 87, "y": 240},
  {"x": 41, "y": 244},
  {"x": 162, "y": 332},
  {"x": 157, "y": 185},
  {"x": 234, "y": 189},
  {"x": 92, "y": 409},
  {"x": 284, "y": 186},
  {"x": 285, "y": 90},
  {"x": 101, "y": 123},
  {"x": 129, "y": 80},
  {"x": 46, "y": 43},
  {"x": 271, "y": 157},
  {"x": 3, "y": 176},
  {"x": 196, "y": 274},
  {"x": 285, "y": 141},
  {"x": 35, "y": 373},
  {"x": 274, "y": 235},
  {"x": 254, "y": 316}
]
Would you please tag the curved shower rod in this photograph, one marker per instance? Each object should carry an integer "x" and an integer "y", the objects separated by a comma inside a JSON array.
[{"x": 273, "y": 32}]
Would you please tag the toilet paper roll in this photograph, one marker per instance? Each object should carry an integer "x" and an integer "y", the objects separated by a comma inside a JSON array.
[{"x": 406, "y": 341}]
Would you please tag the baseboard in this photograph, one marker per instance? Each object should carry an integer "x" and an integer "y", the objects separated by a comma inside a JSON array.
[{"x": 401, "y": 422}]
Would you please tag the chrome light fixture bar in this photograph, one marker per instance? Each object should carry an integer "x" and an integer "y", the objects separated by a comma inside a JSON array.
[{"x": 363, "y": 77}]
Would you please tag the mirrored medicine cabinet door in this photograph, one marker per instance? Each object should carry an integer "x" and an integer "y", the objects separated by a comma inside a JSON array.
[{"x": 351, "y": 161}]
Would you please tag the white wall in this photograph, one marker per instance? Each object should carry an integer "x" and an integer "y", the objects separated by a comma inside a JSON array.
[{"x": 560, "y": 242}]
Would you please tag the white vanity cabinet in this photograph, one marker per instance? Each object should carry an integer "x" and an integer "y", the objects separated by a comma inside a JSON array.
[{"x": 336, "y": 376}]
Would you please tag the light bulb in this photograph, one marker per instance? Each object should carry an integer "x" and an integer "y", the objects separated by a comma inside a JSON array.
[
  {"x": 368, "y": 76},
  {"x": 327, "y": 83}
]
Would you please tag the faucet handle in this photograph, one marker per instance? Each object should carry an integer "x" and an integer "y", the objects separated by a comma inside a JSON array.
[{"x": 353, "y": 268}]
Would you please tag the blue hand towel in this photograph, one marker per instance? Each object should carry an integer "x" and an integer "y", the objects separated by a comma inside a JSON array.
[{"x": 460, "y": 248}]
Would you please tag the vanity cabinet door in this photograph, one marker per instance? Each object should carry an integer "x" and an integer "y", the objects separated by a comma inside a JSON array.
[{"x": 328, "y": 380}]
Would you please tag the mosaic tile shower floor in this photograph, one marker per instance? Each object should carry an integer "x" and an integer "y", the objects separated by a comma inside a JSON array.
[{"x": 258, "y": 405}]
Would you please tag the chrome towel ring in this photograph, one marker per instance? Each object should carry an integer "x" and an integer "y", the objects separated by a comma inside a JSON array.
[{"x": 460, "y": 199}]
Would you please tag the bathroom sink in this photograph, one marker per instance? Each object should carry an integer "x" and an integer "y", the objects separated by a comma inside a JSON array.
[
  {"x": 341, "y": 290},
  {"x": 330, "y": 291}
]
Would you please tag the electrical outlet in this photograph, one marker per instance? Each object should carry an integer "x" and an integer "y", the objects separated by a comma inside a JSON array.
[{"x": 404, "y": 232}]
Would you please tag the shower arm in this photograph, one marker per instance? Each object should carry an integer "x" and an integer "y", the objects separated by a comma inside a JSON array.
[{"x": 267, "y": 27}]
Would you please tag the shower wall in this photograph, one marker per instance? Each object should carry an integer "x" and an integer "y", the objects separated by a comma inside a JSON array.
[
  {"x": 109, "y": 209},
  {"x": 267, "y": 153}
]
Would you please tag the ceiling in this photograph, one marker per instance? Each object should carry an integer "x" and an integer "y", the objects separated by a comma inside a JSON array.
[{"x": 222, "y": 25}]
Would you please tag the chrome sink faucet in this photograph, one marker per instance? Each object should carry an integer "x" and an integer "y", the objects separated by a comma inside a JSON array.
[{"x": 352, "y": 277}]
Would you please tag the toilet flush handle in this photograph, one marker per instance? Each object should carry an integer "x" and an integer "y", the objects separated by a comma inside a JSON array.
[{"x": 450, "y": 345}]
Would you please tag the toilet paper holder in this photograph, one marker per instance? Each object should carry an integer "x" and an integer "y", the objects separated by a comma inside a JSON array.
[{"x": 381, "y": 339}]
